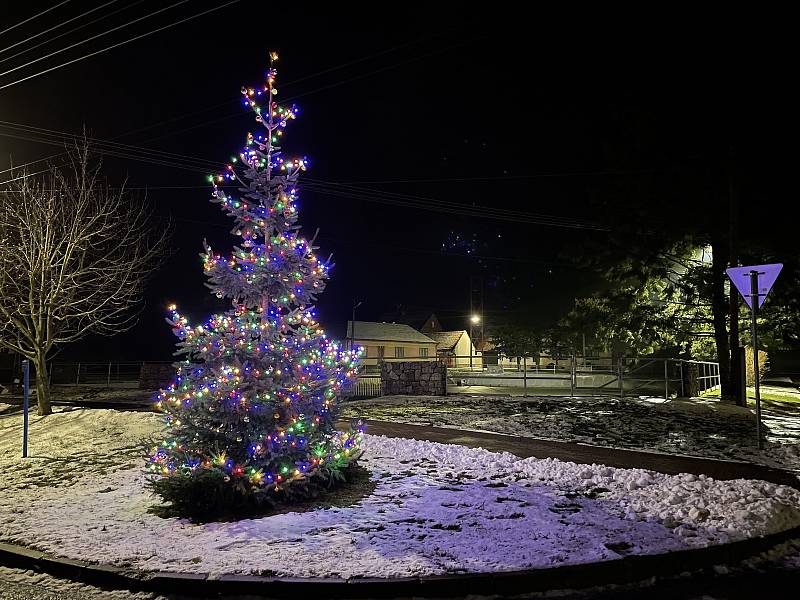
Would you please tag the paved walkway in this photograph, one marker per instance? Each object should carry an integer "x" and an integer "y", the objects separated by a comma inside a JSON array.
[{"x": 525, "y": 447}]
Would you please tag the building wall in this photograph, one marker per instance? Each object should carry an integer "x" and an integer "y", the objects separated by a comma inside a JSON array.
[
  {"x": 463, "y": 350},
  {"x": 411, "y": 351}
]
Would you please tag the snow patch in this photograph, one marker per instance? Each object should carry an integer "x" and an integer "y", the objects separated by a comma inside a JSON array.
[
  {"x": 436, "y": 509},
  {"x": 695, "y": 427}
]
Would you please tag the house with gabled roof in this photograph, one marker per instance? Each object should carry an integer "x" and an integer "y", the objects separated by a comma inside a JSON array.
[
  {"x": 420, "y": 319},
  {"x": 393, "y": 341},
  {"x": 456, "y": 347}
]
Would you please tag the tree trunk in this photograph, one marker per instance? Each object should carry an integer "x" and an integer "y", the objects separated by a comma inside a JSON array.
[
  {"x": 736, "y": 365},
  {"x": 719, "y": 310},
  {"x": 691, "y": 387},
  {"x": 733, "y": 235},
  {"x": 42, "y": 385}
]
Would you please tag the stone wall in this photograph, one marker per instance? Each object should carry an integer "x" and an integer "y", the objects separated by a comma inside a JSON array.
[{"x": 417, "y": 378}]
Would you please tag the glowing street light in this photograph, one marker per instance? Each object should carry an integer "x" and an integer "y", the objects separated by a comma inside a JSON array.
[{"x": 474, "y": 320}]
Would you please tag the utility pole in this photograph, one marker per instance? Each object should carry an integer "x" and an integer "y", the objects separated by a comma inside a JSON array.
[
  {"x": 583, "y": 345},
  {"x": 475, "y": 312},
  {"x": 738, "y": 385},
  {"x": 353, "y": 325}
]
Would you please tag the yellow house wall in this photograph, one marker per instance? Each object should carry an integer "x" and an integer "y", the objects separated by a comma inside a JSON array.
[
  {"x": 463, "y": 349},
  {"x": 410, "y": 350}
]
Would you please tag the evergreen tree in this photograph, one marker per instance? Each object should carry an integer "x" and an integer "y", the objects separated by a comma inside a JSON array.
[
  {"x": 517, "y": 341},
  {"x": 661, "y": 305},
  {"x": 251, "y": 414}
]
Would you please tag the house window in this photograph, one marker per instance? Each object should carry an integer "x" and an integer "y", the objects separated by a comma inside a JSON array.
[
  {"x": 381, "y": 350},
  {"x": 423, "y": 352},
  {"x": 399, "y": 352}
]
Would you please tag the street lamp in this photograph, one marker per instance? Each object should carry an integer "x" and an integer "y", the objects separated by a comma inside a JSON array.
[
  {"x": 474, "y": 320},
  {"x": 353, "y": 325}
]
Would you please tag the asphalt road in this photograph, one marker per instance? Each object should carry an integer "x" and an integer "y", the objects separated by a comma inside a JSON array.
[
  {"x": 777, "y": 584},
  {"x": 19, "y": 585}
]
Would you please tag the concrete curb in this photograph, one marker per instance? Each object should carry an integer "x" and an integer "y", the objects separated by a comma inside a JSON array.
[{"x": 628, "y": 569}]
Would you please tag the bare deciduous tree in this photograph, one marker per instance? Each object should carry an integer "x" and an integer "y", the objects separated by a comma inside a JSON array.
[{"x": 75, "y": 256}]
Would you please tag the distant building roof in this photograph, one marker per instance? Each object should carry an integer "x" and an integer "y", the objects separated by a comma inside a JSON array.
[
  {"x": 419, "y": 319},
  {"x": 446, "y": 340},
  {"x": 431, "y": 325},
  {"x": 386, "y": 332},
  {"x": 488, "y": 345}
]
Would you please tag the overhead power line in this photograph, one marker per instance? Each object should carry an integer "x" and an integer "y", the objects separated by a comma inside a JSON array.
[
  {"x": 122, "y": 43},
  {"x": 58, "y": 138},
  {"x": 73, "y": 30},
  {"x": 345, "y": 189},
  {"x": 393, "y": 247},
  {"x": 600, "y": 172},
  {"x": 94, "y": 37},
  {"x": 54, "y": 27},
  {"x": 237, "y": 99},
  {"x": 483, "y": 212},
  {"x": 321, "y": 88},
  {"x": 386, "y": 68},
  {"x": 7, "y": 29},
  {"x": 365, "y": 195},
  {"x": 181, "y": 161},
  {"x": 364, "y": 58}
]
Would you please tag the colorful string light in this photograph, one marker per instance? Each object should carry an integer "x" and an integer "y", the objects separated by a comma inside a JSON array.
[{"x": 255, "y": 396}]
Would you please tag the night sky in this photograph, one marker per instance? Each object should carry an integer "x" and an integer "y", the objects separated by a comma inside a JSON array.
[{"x": 520, "y": 112}]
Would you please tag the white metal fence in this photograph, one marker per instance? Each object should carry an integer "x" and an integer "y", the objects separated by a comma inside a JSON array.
[
  {"x": 584, "y": 375},
  {"x": 568, "y": 375}
]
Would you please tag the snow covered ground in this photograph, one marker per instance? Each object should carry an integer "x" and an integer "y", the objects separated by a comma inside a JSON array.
[
  {"x": 17, "y": 584},
  {"x": 435, "y": 509},
  {"x": 699, "y": 427}
]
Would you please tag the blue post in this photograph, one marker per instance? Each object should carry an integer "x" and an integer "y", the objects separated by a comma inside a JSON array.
[{"x": 26, "y": 372}]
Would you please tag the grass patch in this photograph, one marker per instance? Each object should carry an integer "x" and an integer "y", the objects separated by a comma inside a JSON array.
[{"x": 770, "y": 395}]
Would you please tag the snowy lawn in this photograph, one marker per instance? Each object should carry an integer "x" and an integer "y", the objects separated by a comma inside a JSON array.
[
  {"x": 16, "y": 584},
  {"x": 435, "y": 509},
  {"x": 699, "y": 427}
]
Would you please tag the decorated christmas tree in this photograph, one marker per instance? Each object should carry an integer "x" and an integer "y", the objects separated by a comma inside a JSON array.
[{"x": 251, "y": 414}]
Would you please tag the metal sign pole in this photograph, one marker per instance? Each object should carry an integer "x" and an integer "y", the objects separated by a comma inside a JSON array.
[
  {"x": 758, "y": 289},
  {"x": 26, "y": 371},
  {"x": 572, "y": 375},
  {"x": 756, "y": 375},
  {"x": 525, "y": 375}
]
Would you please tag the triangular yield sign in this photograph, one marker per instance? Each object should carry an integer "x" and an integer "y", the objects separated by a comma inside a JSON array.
[{"x": 767, "y": 274}]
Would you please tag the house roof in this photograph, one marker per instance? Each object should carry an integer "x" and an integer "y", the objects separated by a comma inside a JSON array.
[
  {"x": 415, "y": 318},
  {"x": 446, "y": 340},
  {"x": 386, "y": 332}
]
